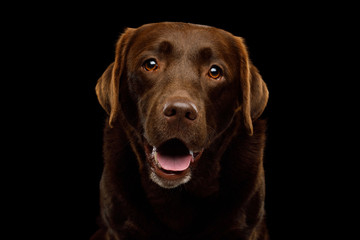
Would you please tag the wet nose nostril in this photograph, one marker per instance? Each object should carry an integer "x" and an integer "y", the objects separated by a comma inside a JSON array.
[
  {"x": 180, "y": 110},
  {"x": 191, "y": 115},
  {"x": 169, "y": 111}
]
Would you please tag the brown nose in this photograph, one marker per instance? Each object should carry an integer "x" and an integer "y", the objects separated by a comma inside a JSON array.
[{"x": 180, "y": 110}]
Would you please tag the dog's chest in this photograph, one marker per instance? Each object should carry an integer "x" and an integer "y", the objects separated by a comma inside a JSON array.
[{"x": 178, "y": 212}]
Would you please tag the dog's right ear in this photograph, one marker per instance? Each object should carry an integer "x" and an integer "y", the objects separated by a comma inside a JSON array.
[
  {"x": 103, "y": 89},
  {"x": 107, "y": 87}
]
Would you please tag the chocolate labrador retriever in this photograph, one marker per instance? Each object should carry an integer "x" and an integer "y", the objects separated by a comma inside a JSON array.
[{"x": 183, "y": 143}]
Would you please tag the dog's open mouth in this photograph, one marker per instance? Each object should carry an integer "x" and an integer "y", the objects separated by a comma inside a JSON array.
[{"x": 172, "y": 159}]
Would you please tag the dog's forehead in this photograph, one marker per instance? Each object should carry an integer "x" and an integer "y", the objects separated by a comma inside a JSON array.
[{"x": 183, "y": 37}]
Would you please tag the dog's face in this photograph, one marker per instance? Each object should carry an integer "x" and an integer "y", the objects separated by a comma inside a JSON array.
[{"x": 180, "y": 86}]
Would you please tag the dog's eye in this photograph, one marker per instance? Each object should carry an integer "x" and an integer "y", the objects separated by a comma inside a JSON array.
[
  {"x": 150, "y": 65},
  {"x": 215, "y": 72}
]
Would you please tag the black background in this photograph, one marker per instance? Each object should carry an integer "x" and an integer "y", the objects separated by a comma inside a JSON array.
[{"x": 64, "y": 50}]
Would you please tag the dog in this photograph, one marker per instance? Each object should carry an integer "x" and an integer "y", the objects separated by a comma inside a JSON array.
[{"x": 183, "y": 140}]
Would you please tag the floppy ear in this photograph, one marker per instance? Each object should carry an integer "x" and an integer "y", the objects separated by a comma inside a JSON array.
[
  {"x": 107, "y": 87},
  {"x": 255, "y": 94},
  {"x": 103, "y": 89}
]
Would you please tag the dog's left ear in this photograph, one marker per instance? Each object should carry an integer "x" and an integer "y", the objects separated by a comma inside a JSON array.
[
  {"x": 254, "y": 92},
  {"x": 107, "y": 87}
]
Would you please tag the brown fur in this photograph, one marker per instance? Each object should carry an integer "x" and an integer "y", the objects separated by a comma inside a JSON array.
[{"x": 224, "y": 198}]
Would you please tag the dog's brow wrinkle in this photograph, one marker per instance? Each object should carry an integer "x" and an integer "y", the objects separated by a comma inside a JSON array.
[
  {"x": 165, "y": 47},
  {"x": 205, "y": 53},
  {"x": 202, "y": 55}
]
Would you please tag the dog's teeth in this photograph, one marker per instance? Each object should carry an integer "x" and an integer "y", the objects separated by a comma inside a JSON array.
[
  {"x": 191, "y": 153},
  {"x": 154, "y": 154}
]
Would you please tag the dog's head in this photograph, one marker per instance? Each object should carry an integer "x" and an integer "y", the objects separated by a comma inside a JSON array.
[{"x": 179, "y": 86}]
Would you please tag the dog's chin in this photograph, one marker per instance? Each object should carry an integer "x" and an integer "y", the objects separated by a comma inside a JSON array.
[
  {"x": 169, "y": 183},
  {"x": 171, "y": 163}
]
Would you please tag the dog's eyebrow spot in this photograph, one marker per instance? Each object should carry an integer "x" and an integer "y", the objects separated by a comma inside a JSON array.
[
  {"x": 165, "y": 47},
  {"x": 203, "y": 55}
]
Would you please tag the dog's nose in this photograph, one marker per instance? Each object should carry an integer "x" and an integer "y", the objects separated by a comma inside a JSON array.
[{"x": 181, "y": 110}]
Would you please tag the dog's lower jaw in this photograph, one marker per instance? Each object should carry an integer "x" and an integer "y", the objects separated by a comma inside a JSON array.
[{"x": 165, "y": 183}]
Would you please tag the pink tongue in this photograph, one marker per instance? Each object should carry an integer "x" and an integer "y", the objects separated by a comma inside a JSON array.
[{"x": 177, "y": 163}]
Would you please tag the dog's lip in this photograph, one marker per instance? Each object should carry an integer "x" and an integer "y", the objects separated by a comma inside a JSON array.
[{"x": 152, "y": 158}]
